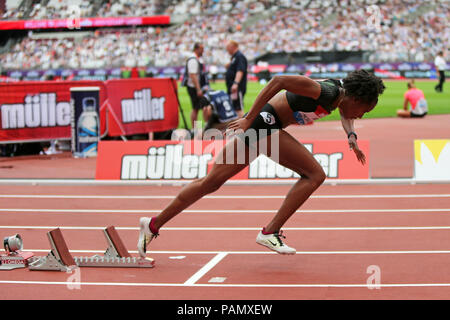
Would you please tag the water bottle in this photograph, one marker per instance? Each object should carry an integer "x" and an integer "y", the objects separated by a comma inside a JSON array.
[{"x": 88, "y": 128}]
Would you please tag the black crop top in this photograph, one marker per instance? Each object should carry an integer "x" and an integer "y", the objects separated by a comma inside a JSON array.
[{"x": 306, "y": 109}]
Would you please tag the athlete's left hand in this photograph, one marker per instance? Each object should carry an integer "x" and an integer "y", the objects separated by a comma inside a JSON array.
[
  {"x": 241, "y": 124},
  {"x": 354, "y": 146}
]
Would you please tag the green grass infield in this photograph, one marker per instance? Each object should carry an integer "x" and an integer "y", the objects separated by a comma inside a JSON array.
[{"x": 390, "y": 101}]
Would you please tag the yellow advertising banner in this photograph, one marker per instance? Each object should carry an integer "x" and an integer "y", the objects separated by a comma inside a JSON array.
[{"x": 432, "y": 159}]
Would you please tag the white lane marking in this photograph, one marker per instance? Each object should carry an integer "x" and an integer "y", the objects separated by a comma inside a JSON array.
[
  {"x": 356, "y": 196},
  {"x": 232, "y": 228},
  {"x": 219, "y": 211},
  {"x": 205, "y": 269},
  {"x": 217, "y": 280},
  {"x": 261, "y": 252},
  {"x": 232, "y": 182},
  {"x": 250, "y": 285}
]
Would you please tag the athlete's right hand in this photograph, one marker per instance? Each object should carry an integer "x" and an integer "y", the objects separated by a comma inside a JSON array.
[{"x": 238, "y": 125}]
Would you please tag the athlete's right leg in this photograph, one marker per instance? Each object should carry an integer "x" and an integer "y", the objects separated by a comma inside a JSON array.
[{"x": 223, "y": 169}]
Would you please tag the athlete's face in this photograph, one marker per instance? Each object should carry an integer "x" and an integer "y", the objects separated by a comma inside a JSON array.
[{"x": 354, "y": 109}]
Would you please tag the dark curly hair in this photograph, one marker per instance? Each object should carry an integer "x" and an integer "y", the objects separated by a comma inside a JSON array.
[{"x": 363, "y": 86}]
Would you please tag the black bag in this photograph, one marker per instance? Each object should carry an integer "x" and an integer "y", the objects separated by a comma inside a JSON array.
[{"x": 20, "y": 149}]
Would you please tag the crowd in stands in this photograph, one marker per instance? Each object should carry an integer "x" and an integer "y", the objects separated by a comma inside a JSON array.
[
  {"x": 62, "y": 9},
  {"x": 398, "y": 30}
]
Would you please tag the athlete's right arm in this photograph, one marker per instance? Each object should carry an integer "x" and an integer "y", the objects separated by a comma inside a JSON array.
[{"x": 296, "y": 84}]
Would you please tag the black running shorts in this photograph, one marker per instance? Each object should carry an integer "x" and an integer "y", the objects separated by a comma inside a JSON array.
[{"x": 263, "y": 126}]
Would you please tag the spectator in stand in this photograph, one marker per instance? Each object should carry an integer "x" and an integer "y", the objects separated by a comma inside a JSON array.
[
  {"x": 440, "y": 64},
  {"x": 236, "y": 76},
  {"x": 419, "y": 105},
  {"x": 293, "y": 26}
]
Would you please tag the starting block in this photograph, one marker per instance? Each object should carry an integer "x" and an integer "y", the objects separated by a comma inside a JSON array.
[
  {"x": 115, "y": 256},
  {"x": 59, "y": 258}
]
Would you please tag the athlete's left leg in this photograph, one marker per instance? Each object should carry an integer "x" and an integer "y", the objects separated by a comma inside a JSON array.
[
  {"x": 226, "y": 166},
  {"x": 293, "y": 155}
]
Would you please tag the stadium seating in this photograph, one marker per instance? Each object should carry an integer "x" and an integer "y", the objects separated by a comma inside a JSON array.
[{"x": 259, "y": 26}]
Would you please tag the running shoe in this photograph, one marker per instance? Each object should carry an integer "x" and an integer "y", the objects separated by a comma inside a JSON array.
[
  {"x": 273, "y": 242},
  {"x": 145, "y": 236}
]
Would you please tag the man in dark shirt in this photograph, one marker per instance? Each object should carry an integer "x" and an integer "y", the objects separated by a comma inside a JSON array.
[{"x": 236, "y": 77}]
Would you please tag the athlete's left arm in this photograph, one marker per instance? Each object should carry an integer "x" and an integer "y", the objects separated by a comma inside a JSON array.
[{"x": 348, "y": 125}]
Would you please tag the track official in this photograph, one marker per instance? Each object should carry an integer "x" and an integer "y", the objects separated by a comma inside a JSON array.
[{"x": 236, "y": 77}]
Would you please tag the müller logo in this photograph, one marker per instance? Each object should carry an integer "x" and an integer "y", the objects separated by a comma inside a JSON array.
[
  {"x": 166, "y": 162},
  {"x": 40, "y": 110},
  {"x": 265, "y": 168},
  {"x": 143, "y": 107}
]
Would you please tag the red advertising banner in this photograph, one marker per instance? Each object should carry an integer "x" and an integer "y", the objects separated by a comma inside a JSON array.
[
  {"x": 156, "y": 160},
  {"x": 36, "y": 111},
  {"x": 39, "y": 111},
  {"x": 84, "y": 23},
  {"x": 141, "y": 105}
]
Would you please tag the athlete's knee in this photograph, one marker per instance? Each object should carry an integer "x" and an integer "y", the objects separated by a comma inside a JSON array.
[{"x": 316, "y": 178}]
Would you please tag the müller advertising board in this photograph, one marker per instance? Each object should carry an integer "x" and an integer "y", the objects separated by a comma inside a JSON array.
[
  {"x": 38, "y": 111},
  {"x": 41, "y": 111},
  {"x": 172, "y": 160}
]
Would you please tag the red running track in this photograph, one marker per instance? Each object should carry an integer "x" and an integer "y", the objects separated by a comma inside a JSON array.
[{"x": 344, "y": 235}]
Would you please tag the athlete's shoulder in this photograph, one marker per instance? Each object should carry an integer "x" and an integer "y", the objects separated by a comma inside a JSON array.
[
  {"x": 329, "y": 92},
  {"x": 332, "y": 82}
]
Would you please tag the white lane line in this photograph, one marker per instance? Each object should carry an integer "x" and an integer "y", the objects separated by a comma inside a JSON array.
[
  {"x": 250, "y": 285},
  {"x": 232, "y": 228},
  {"x": 206, "y": 268},
  {"x": 378, "y": 252},
  {"x": 220, "y": 211},
  {"x": 232, "y": 182},
  {"x": 356, "y": 196}
]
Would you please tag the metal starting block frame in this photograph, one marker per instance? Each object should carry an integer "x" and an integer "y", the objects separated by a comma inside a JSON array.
[{"x": 115, "y": 256}]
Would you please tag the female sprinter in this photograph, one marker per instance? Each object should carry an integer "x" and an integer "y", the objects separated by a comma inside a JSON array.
[{"x": 303, "y": 101}]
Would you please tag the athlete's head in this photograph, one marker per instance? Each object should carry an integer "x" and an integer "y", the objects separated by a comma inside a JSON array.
[
  {"x": 411, "y": 84},
  {"x": 362, "y": 89}
]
